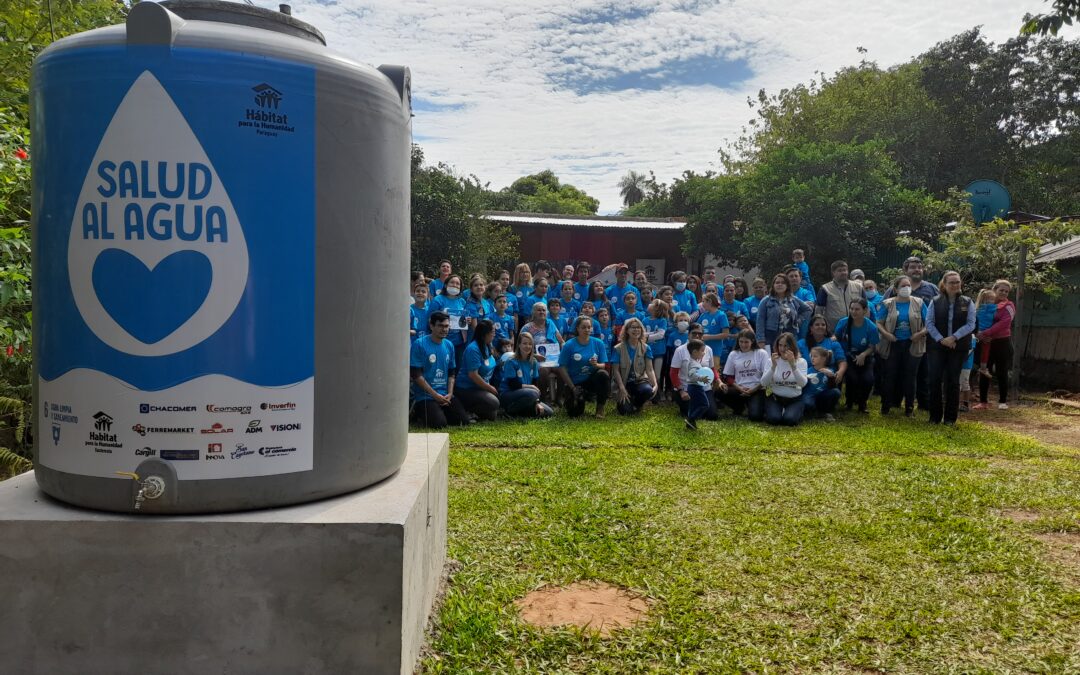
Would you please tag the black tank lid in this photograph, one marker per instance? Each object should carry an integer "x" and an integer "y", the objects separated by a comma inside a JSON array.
[{"x": 243, "y": 15}]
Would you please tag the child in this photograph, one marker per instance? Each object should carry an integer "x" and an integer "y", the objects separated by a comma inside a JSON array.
[
  {"x": 631, "y": 311},
  {"x": 694, "y": 380},
  {"x": 656, "y": 327},
  {"x": 418, "y": 312},
  {"x": 798, "y": 259},
  {"x": 985, "y": 308},
  {"x": 965, "y": 379},
  {"x": 556, "y": 316},
  {"x": 716, "y": 325},
  {"x": 570, "y": 307},
  {"x": 820, "y": 392},
  {"x": 504, "y": 322},
  {"x": 605, "y": 333}
]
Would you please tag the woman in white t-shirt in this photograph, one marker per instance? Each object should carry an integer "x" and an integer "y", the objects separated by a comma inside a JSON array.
[
  {"x": 745, "y": 367},
  {"x": 785, "y": 379}
]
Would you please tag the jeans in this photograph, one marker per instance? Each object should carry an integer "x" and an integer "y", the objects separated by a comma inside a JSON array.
[
  {"x": 522, "y": 403},
  {"x": 754, "y": 404},
  {"x": 824, "y": 403},
  {"x": 901, "y": 370},
  {"x": 483, "y": 404},
  {"x": 943, "y": 370},
  {"x": 640, "y": 393},
  {"x": 787, "y": 412},
  {"x": 711, "y": 413},
  {"x": 599, "y": 385},
  {"x": 859, "y": 381},
  {"x": 430, "y": 414},
  {"x": 1001, "y": 357},
  {"x": 699, "y": 403}
]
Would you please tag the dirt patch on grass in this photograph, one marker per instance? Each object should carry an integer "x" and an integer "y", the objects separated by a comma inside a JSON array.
[
  {"x": 1063, "y": 549},
  {"x": 590, "y": 605},
  {"x": 1018, "y": 515},
  {"x": 1048, "y": 426}
]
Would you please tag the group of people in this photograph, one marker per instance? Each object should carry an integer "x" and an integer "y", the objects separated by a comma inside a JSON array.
[{"x": 536, "y": 339}]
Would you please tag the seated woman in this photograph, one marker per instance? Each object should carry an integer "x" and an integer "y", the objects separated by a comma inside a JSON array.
[
  {"x": 473, "y": 383},
  {"x": 518, "y": 394},
  {"x": 821, "y": 394},
  {"x": 581, "y": 367},
  {"x": 785, "y": 378},
  {"x": 632, "y": 368},
  {"x": 546, "y": 338},
  {"x": 818, "y": 336},
  {"x": 741, "y": 386}
]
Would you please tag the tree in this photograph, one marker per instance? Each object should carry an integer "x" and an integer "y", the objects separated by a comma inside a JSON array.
[
  {"x": 446, "y": 222},
  {"x": 1065, "y": 11},
  {"x": 544, "y": 193},
  {"x": 632, "y": 187}
]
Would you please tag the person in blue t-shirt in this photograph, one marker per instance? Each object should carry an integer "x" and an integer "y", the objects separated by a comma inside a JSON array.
[
  {"x": 581, "y": 286},
  {"x": 631, "y": 310},
  {"x": 807, "y": 295},
  {"x": 820, "y": 393},
  {"x": 437, "y": 285},
  {"x": 418, "y": 312},
  {"x": 873, "y": 298},
  {"x": 477, "y": 306},
  {"x": 656, "y": 327},
  {"x": 902, "y": 326},
  {"x": 556, "y": 316},
  {"x": 603, "y": 328},
  {"x": 432, "y": 368},
  {"x": 730, "y": 304},
  {"x": 505, "y": 323},
  {"x": 451, "y": 301},
  {"x": 716, "y": 328},
  {"x": 858, "y": 336},
  {"x": 819, "y": 335},
  {"x": 570, "y": 307},
  {"x": 632, "y": 368},
  {"x": 526, "y": 304},
  {"x": 758, "y": 291},
  {"x": 474, "y": 376},
  {"x": 798, "y": 261},
  {"x": 521, "y": 288},
  {"x": 683, "y": 298},
  {"x": 581, "y": 368},
  {"x": 519, "y": 393},
  {"x": 617, "y": 291}
]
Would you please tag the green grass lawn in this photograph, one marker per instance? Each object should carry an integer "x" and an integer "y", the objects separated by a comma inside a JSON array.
[{"x": 861, "y": 546}]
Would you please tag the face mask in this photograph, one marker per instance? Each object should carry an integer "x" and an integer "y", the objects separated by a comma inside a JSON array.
[
  {"x": 683, "y": 326},
  {"x": 904, "y": 292},
  {"x": 680, "y": 286},
  {"x": 871, "y": 294},
  {"x": 453, "y": 292}
]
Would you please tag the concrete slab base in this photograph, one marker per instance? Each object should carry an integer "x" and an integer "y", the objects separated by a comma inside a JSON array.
[{"x": 343, "y": 585}]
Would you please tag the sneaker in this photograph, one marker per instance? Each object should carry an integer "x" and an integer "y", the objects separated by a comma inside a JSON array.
[
  {"x": 690, "y": 424},
  {"x": 1003, "y": 406},
  {"x": 964, "y": 407}
]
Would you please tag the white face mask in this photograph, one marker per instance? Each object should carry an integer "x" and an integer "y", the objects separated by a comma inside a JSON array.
[
  {"x": 683, "y": 326},
  {"x": 453, "y": 292},
  {"x": 904, "y": 292},
  {"x": 680, "y": 286}
]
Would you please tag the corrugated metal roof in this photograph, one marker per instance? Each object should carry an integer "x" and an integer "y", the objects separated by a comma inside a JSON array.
[
  {"x": 1066, "y": 250},
  {"x": 585, "y": 222}
]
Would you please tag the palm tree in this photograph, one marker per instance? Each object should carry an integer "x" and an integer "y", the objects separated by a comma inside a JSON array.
[{"x": 632, "y": 187}]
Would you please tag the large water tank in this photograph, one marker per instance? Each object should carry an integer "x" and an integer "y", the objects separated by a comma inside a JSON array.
[{"x": 220, "y": 242}]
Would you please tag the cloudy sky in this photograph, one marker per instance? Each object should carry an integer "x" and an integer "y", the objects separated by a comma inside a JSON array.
[{"x": 593, "y": 88}]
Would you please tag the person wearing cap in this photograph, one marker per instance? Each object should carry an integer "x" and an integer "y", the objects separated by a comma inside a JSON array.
[
  {"x": 834, "y": 298},
  {"x": 857, "y": 275},
  {"x": 618, "y": 290}
]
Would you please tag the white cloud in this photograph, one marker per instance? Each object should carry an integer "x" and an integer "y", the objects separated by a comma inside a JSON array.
[{"x": 500, "y": 61}]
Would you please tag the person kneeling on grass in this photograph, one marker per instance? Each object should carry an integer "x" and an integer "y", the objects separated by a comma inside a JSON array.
[
  {"x": 632, "y": 367},
  {"x": 746, "y": 364},
  {"x": 696, "y": 380},
  {"x": 821, "y": 393},
  {"x": 581, "y": 368},
  {"x": 433, "y": 368},
  {"x": 518, "y": 393},
  {"x": 786, "y": 377}
]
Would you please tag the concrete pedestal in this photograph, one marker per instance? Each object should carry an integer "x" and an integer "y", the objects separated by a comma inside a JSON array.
[{"x": 343, "y": 585}]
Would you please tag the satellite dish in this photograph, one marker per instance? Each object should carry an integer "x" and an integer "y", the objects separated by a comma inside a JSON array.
[{"x": 989, "y": 199}]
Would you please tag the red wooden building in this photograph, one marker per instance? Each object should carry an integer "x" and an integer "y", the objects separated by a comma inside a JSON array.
[{"x": 642, "y": 243}]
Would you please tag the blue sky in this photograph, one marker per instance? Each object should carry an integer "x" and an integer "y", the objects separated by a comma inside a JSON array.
[{"x": 594, "y": 89}]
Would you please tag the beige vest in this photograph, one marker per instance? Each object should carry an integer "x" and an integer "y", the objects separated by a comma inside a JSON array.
[
  {"x": 840, "y": 298},
  {"x": 635, "y": 371},
  {"x": 915, "y": 321}
]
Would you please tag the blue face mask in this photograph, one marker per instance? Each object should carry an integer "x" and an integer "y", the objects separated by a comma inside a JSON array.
[
  {"x": 680, "y": 286},
  {"x": 871, "y": 295}
]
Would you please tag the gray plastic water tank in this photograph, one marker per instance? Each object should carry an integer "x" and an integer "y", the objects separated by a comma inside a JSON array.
[{"x": 220, "y": 241}]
